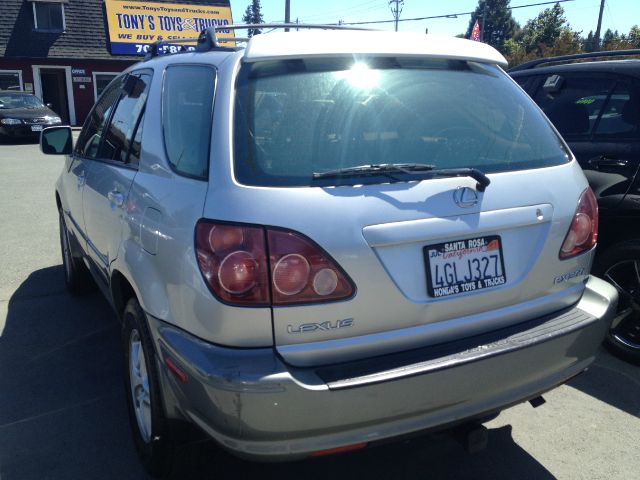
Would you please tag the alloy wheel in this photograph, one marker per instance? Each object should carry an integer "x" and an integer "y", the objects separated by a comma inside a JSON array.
[
  {"x": 139, "y": 383},
  {"x": 625, "y": 277}
]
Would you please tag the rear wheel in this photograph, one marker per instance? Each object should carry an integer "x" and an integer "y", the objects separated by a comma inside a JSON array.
[
  {"x": 76, "y": 275},
  {"x": 150, "y": 428},
  {"x": 620, "y": 266}
]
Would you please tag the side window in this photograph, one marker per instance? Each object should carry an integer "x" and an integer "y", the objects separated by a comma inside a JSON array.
[
  {"x": 91, "y": 134},
  {"x": 621, "y": 115},
  {"x": 187, "y": 107},
  {"x": 523, "y": 81},
  {"x": 118, "y": 136},
  {"x": 134, "y": 151},
  {"x": 573, "y": 104}
]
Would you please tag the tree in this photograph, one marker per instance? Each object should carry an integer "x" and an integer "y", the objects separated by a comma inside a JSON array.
[
  {"x": 567, "y": 43},
  {"x": 587, "y": 42},
  {"x": 253, "y": 15},
  {"x": 499, "y": 25},
  {"x": 634, "y": 36},
  {"x": 545, "y": 29},
  {"x": 609, "y": 39}
]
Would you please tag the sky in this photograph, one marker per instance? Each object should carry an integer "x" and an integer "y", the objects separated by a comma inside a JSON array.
[{"x": 582, "y": 15}]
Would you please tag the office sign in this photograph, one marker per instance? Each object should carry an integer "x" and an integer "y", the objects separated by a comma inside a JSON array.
[{"x": 134, "y": 26}]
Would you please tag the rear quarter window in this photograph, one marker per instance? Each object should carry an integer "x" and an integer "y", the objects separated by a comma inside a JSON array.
[{"x": 187, "y": 107}]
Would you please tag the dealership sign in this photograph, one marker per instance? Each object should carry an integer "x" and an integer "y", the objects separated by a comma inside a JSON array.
[{"x": 134, "y": 26}]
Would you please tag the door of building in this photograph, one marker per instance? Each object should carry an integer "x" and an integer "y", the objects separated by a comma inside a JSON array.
[{"x": 54, "y": 91}]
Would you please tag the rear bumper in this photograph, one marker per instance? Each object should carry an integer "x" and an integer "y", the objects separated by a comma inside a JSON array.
[{"x": 257, "y": 406}]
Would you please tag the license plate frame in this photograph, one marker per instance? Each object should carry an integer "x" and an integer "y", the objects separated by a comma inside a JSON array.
[
  {"x": 460, "y": 256},
  {"x": 36, "y": 128}
]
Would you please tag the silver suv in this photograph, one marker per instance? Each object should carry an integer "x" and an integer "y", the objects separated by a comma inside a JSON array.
[{"x": 329, "y": 238}]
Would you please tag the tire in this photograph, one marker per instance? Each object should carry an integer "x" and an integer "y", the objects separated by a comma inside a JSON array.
[
  {"x": 76, "y": 275},
  {"x": 620, "y": 266},
  {"x": 151, "y": 431}
]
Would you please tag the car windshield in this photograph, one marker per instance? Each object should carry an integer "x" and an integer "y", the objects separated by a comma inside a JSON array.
[
  {"x": 297, "y": 118},
  {"x": 19, "y": 101}
]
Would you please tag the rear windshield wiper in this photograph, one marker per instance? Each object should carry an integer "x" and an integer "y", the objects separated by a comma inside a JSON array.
[
  {"x": 415, "y": 169},
  {"x": 385, "y": 169}
]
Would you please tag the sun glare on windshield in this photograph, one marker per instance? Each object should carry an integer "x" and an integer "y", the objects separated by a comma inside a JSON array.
[{"x": 360, "y": 76}]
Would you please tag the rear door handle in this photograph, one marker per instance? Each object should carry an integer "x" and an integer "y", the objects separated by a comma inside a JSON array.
[
  {"x": 608, "y": 162},
  {"x": 116, "y": 198},
  {"x": 82, "y": 178}
]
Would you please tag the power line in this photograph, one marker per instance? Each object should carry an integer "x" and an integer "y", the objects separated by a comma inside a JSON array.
[
  {"x": 449, "y": 15},
  {"x": 351, "y": 10}
]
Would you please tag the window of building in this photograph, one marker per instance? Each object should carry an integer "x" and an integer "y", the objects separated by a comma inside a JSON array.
[
  {"x": 48, "y": 15},
  {"x": 100, "y": 82},
  {"x": 11, "y": 80},
  {"x": 187, "y": 107}
]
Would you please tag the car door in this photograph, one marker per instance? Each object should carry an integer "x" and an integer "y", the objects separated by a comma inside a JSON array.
[
  {"x": 113, "y": 169},
  {"x": 72, "y": 184},
  {"x": 593, "y": 112}
]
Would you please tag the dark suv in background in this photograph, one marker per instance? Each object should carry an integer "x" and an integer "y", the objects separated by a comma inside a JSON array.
[{"x": 595, "y": 105}]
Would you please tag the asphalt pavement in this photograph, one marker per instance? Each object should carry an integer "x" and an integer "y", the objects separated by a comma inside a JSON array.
[{"x": 62, "y": 403}]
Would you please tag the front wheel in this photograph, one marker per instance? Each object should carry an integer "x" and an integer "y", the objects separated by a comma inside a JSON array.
[
  {"x": 620, "y": 266},
  {"x": 150, "y": 428}
]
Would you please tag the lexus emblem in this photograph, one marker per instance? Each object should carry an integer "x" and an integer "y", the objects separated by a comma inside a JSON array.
[{"x": 465, "y": 197}]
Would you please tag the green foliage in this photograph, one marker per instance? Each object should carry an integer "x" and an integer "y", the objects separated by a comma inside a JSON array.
[
  {"x": 253, "y": 15},
  {"x": 499, "y": 26},
  {"x": 617, "y": 41},
  {"x": 549, "y": 34},
  {"x": 545, "y": 29},
  {"x": 587, "y": 42},
  {"x": 634, "y": 36}
]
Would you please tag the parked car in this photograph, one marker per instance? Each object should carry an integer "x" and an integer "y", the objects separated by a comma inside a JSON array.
[
  {"x": 595, "y": 105},
  {"x": 23, "y": 115},
  {"x": 328, "y": 239}
]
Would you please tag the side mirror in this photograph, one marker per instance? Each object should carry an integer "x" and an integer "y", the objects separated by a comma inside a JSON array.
[{"x": 56, "y": 141}]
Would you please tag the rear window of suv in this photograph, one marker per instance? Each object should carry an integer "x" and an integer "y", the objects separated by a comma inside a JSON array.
[{"x": 296, "y": 117}]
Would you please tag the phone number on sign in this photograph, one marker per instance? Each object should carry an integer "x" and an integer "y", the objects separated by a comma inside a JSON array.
[{"x": 162, "y": 49}]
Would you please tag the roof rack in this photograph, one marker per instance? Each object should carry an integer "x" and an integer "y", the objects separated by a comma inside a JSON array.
[
  {"x": 576, "y": 56},
  {"x": 208, "y": 39}
]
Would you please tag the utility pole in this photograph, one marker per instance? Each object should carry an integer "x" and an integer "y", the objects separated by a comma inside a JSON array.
[
  {"x": 287, "y": 13},
  {"x": 396, "y": 10},
  {"x": 596, "y": 38}
]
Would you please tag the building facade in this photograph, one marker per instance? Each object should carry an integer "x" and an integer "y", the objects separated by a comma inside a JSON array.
[{"x": 66, "y": 51}]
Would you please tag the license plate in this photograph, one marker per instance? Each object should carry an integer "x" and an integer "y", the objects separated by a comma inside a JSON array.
[
  {"x": 36, "y": 128},
  {"x": 464, "y": 266}
]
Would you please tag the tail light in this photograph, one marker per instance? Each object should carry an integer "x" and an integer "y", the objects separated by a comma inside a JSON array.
[
  {"x": 583, "y": 232},
  {"x": 302, "y": 272},
  {"x": 234, "y": 263}
]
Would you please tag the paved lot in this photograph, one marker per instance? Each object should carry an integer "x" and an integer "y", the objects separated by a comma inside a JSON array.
[{"x": 62, "y": 405}]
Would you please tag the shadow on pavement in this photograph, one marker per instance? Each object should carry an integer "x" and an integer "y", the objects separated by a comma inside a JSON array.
[
  {"x": 612, "y": 381},
  {"x": 63, "y": 414},
  {"x": 433, "y": 456},
  {"x": 62, "y": 406}
]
